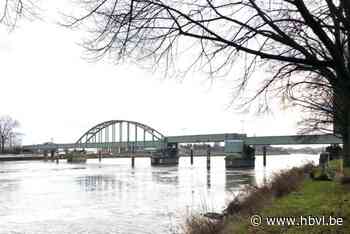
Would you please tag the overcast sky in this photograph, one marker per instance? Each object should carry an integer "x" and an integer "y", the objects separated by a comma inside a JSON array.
[{"x": 54, "y": 93}]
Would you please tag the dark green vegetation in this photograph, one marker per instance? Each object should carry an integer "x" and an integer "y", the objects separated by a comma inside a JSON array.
[{"x": 291, "y": 193}]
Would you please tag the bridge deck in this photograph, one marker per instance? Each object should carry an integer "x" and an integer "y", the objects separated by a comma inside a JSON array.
[
  {"x": 293, "y": 140},
  {"x": 206, "y": 138},
  {"x": 259, "y": 140}
]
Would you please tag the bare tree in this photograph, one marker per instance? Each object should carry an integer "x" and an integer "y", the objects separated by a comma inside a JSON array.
[
  {"x": 303, "y": 44},
  {"x": 12, "y": 10},
  {"x": 7, "y": 131}
]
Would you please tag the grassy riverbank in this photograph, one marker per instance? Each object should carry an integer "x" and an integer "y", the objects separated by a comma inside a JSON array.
[{"x": 289, "y": 194}]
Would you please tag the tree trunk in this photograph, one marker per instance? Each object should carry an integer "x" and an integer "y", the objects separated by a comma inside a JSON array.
[
  {"x": 346, "y": 140},
  {"x": 2, "y": 144},
  {"x": 341, "y": 120},
  {"x": 346, "y": 151}
]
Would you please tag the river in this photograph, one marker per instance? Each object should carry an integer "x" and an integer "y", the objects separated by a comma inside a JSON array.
[{"x": 39, "y": 197}]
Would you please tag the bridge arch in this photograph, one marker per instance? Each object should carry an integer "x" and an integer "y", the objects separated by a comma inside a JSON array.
[{"x": 117, "y": 134}]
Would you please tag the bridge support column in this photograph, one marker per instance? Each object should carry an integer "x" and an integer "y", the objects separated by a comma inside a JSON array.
[
  {"x": 264, "y": 156},
  {"x": 132, "y": 161},
  {"x": 191, "y": 155},
  {"x": 52, "y": 154},
  {"x": 133, "y": 154},
  {"x": 99, "y": 156},
  {"x": 239, "y": 156},
  {"x": 208, "y": 158},
  {"x": 167, "y": 156}
]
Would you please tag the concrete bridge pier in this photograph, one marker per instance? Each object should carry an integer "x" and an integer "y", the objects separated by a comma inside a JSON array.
[
  {"x": 239, "y": 155},
  {"x": 191, "y": 155},
  {"x": 166, "y": 156},
  {"x": 132, "y": 161},
  {"x": 208, "y": 157},
  {"x": 264, "y": 156},
  {"x": 45, "y": 154},
  {"x": 132, "y": 155}
]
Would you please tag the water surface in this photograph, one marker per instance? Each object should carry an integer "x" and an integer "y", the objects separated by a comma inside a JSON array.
[{"x": 39, "y": 197}]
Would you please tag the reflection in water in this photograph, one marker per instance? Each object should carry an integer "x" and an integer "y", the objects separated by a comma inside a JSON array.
[
  {"x": 111, "y": 197},
  {"x": 98, "y": 182},
  {"x": 239, "y": 178},
  {"x": 167, "y": 177},
  {"x": 208, "y": 179},
  {"x": 9, "y": 171},
  {"x": 8, "y": 185},
  {"x": 264, "y": 176},
  {"x": 8, "y": 190}
]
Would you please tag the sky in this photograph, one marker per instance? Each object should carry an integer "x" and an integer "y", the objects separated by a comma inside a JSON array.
[{"x": 56, "y": 94}]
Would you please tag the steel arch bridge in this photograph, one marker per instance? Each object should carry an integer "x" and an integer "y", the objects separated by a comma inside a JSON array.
[{"x": 121, "y": 136}]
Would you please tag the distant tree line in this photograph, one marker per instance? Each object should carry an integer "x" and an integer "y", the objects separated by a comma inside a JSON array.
[{"x": 9, "y": 138}]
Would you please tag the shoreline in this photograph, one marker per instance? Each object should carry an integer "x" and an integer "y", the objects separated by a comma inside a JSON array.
[
  {"x": 30, "y": 157},
  {"x": 303, "y": 196}
]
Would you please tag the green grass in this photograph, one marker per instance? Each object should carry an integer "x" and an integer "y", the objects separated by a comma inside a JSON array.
[
  {"x": 289, "y": 194},
  {"x": 334, "y": 169},
  {"x": 347, "y": 171},
  {"x": 315, "y": 198},
  {"x": 335, "y": 164}
]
